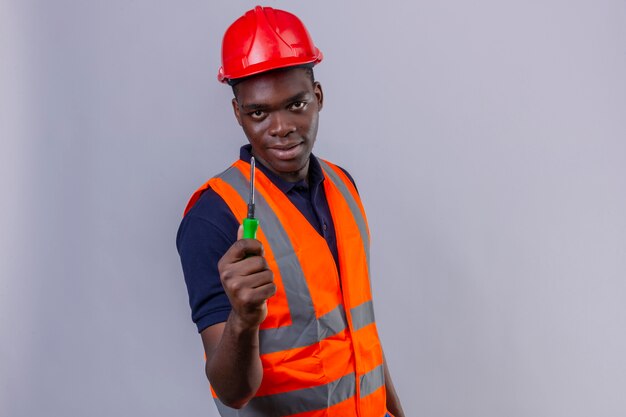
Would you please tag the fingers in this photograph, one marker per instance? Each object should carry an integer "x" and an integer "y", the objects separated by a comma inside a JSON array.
[
  {"x": 253, "y": 290},
  {"x": 260, "y": 279},
  {"x": 247, "y": 279},
  {"x": 255, "y": 297},
  {"x": 241, "y": 249},
  {"x": 240, "y": 272},
  {"x": 251, "y": 265},
  {"x": 248, "y": 294}
]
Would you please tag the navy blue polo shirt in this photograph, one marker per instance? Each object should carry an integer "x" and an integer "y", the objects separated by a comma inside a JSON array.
[{"x": 210, "y": 228}]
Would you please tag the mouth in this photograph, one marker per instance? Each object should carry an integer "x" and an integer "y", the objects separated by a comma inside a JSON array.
[{"x": 286, "y": 152}]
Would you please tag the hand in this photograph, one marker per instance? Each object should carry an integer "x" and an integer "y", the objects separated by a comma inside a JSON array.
[{"x": 247, "y": 280}]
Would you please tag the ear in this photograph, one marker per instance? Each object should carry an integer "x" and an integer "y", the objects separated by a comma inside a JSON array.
[
  {"x": 319, "y": 95},
  {"x": 237, "y": 111}
]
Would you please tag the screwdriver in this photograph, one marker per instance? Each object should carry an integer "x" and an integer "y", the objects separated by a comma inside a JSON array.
[{"x": 250, "y": 223}]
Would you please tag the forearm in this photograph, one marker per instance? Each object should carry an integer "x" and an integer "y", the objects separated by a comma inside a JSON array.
[
  {"x": 393, "y": 401},
  {"x": 234, "y": 368}
]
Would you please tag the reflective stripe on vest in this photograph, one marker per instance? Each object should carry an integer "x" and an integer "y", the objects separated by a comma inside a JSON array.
[
  {"x": 306, "y": 329},
  {"x": 354, "y": 207},
  {"x": 308, "y": 399}
]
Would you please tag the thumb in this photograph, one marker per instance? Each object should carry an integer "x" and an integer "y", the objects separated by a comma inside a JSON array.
[{"x": 240, "y": 232}]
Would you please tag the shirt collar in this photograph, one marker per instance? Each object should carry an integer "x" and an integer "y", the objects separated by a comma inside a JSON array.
[{"x": 316, "y": 176}]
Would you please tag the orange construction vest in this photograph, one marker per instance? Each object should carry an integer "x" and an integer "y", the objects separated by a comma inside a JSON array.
[{"x": 319, "y": 345}]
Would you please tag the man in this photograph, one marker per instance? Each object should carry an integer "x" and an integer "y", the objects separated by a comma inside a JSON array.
[{"x": 286, "y": 319}]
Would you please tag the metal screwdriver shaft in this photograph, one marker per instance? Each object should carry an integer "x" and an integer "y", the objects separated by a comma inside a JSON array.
[{"x": 250, "y": 223}]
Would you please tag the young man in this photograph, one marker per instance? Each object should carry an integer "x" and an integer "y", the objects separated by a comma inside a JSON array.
[{"x": 286, "y": 319}]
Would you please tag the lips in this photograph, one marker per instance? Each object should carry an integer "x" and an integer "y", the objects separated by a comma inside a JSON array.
[{"x": 286, "y": 152}]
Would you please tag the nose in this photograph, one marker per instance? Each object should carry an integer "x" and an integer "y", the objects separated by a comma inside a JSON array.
[{"x": 281, "y": 124}]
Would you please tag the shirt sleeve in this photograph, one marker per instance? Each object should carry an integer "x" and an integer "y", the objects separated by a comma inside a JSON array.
[{"x": 204, "y": 235}]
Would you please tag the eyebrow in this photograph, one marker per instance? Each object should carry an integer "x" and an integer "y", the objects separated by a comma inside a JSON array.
[{"x": 254, "y": 106}]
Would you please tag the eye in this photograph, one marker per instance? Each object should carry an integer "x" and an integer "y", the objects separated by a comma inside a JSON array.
[
  {"x": 298, "y": 105},
  {"x": 257, "y": 114}
]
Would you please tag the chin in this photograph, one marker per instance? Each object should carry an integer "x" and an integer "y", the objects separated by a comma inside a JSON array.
[{"x": 290, "y": 167}]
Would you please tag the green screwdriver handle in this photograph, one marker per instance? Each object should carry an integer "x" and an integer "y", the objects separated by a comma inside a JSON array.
[
  {"x": 250, "y": 223},
  {"x": 249, "y": 228}
]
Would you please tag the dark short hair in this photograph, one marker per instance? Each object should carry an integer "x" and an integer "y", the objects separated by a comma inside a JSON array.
[{"x": 307, "y": 67}]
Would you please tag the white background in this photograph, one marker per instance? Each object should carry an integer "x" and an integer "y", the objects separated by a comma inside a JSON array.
[{"x": 488, "y": 142}]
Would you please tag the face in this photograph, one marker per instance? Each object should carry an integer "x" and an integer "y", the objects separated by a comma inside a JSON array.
[{"x": 279, "y": 113}]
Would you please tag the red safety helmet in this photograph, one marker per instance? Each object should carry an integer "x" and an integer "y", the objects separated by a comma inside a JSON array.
[{"x": 264, "y": 39}]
